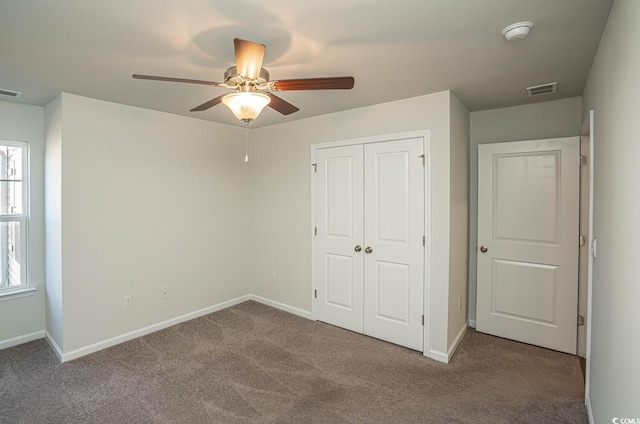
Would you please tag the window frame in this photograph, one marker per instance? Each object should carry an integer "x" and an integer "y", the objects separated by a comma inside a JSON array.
[{"x": 23, "y": 219}]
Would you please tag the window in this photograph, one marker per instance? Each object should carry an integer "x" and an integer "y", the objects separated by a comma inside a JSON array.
[{"x": 14, "y": 208}]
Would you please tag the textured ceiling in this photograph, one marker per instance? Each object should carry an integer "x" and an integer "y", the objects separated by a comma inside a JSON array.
[{"x": 393, "y": 49}]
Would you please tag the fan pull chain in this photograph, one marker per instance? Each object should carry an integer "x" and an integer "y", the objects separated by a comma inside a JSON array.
[{"x": 246, "y": 142}]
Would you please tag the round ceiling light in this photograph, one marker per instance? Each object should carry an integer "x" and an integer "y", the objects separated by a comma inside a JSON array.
[{"x": 517, "y": 31}]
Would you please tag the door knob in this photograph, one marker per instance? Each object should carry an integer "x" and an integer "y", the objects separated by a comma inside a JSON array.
[
  {"x": 368, "y": 249},
  {"x": 484, "y": 249},
  {"x": 357, "y": 248}
]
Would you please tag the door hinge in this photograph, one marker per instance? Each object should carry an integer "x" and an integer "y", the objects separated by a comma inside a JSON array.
[
  {"x": 583, "y": 241},
  {"x": 422, "y": 156},
  {"x": 315, "y": 294},
  {"x": 315, "y": 231},
  {"x": 315, "y": 167},
  {"x": 422, "y": 320},
  {"x": 423, "y": 240},
  {"x": 583, "y": 160},
  {"x": 580, "y": 320}
]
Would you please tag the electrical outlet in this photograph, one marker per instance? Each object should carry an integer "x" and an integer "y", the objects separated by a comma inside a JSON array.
[
  {"x": 165, "y": 293},
  {"x": 274, "y": 277},
  {"x": 460, "y": 302},
  {"x": 128, "y": 302}
]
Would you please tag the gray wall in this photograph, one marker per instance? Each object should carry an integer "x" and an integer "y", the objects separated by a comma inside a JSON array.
[
  {"x": 53, "y": 220},
  {"x": 613, "y": 92},
  {"x": 459, "y": 219},
  {"x": 148, "y": 200},
  {"x": 139, "y": 200},
  {"x": 22, "y": 318},
  {"x": 559, "y": 118},
  {"x": 281, "y": 168}
]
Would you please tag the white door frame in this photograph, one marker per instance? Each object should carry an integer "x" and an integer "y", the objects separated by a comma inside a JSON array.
[
  {"x": 588, "y": 131},
  {"x": 425, "y": 135}
]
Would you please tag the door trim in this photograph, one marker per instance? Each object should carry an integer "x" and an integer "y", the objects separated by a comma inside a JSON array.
[
  {"x": 425, "y": 135},
  {"x": 587, "y": 130}
]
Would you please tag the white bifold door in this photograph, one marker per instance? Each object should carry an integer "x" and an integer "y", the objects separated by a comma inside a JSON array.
[
  {"x": 528, "y": 241},
  {"x": 369, "y": 247}
]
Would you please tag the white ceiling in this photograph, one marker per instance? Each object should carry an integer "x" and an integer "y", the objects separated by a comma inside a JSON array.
[{"x": 394, "y": 49}]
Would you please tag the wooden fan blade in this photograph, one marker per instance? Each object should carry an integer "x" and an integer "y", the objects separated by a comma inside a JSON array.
[
  {"x": 249, "y": 56},
  {"x": 170, "y": 79},
  {"x": 331, "y": 83},
  {"x": 282, "y": 106},
  {"x": 206, "y": 105}
]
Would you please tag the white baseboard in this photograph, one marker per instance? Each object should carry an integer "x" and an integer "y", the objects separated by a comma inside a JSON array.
[
  {"x": 439, "y": 356},
  {"x": 86, "y": 350},
  {"x": 54, "y": 346},
  {"x": 587, "y": 403},
  {"x": 457, "y": 340},
  {"x": 95, "y": 347},
  {"x": 282, "y": 306},
  {"x": 77, "y": 353},
  {"x": 472, "y": 323},
  {"x": 15, "y": 341},
  {"x": 446, "y": 357}
]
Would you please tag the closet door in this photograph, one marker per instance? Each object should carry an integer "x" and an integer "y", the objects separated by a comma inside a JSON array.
[
  {"x": 339, "y": 250},
  {"x": 393, "y": 234}
]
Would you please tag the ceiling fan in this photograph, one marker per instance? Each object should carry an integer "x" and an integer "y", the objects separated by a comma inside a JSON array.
[{"x": 253, "y": 89}]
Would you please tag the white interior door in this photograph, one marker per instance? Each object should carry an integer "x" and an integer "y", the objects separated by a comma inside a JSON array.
[
  {"x": 394, "y": 252},
  {"x": 528, "y": 221},
  {"x": 339, "y": 209}
]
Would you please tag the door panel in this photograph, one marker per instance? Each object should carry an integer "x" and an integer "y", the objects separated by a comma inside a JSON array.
[
  {"x": 394, "y": 226},
  {"x": 525, "y": 205},
  {"x": 393, "y": 288},
  {"x": 339, "y": 208},
  {"x": 524, "y": 291},
  {"x": 391, "y": 190},
  {"x": 340, "y": 204},
  {"x": 339, "y": 281},
  {"x": 528, "y": 221}
]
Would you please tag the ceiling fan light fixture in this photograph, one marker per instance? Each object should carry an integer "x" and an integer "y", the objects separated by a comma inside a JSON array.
[{"x": 246, "y": 106}]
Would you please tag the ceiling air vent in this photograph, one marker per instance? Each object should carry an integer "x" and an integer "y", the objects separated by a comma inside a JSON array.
[
  {"x": 10, "y": 93},
  {"x": 539, "y": 90}
]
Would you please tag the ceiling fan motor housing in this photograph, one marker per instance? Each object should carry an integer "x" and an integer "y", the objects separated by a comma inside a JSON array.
[{"x": 232, "y": 78}]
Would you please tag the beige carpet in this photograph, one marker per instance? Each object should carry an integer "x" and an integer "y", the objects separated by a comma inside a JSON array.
[{"x": 255, "y": 364}]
